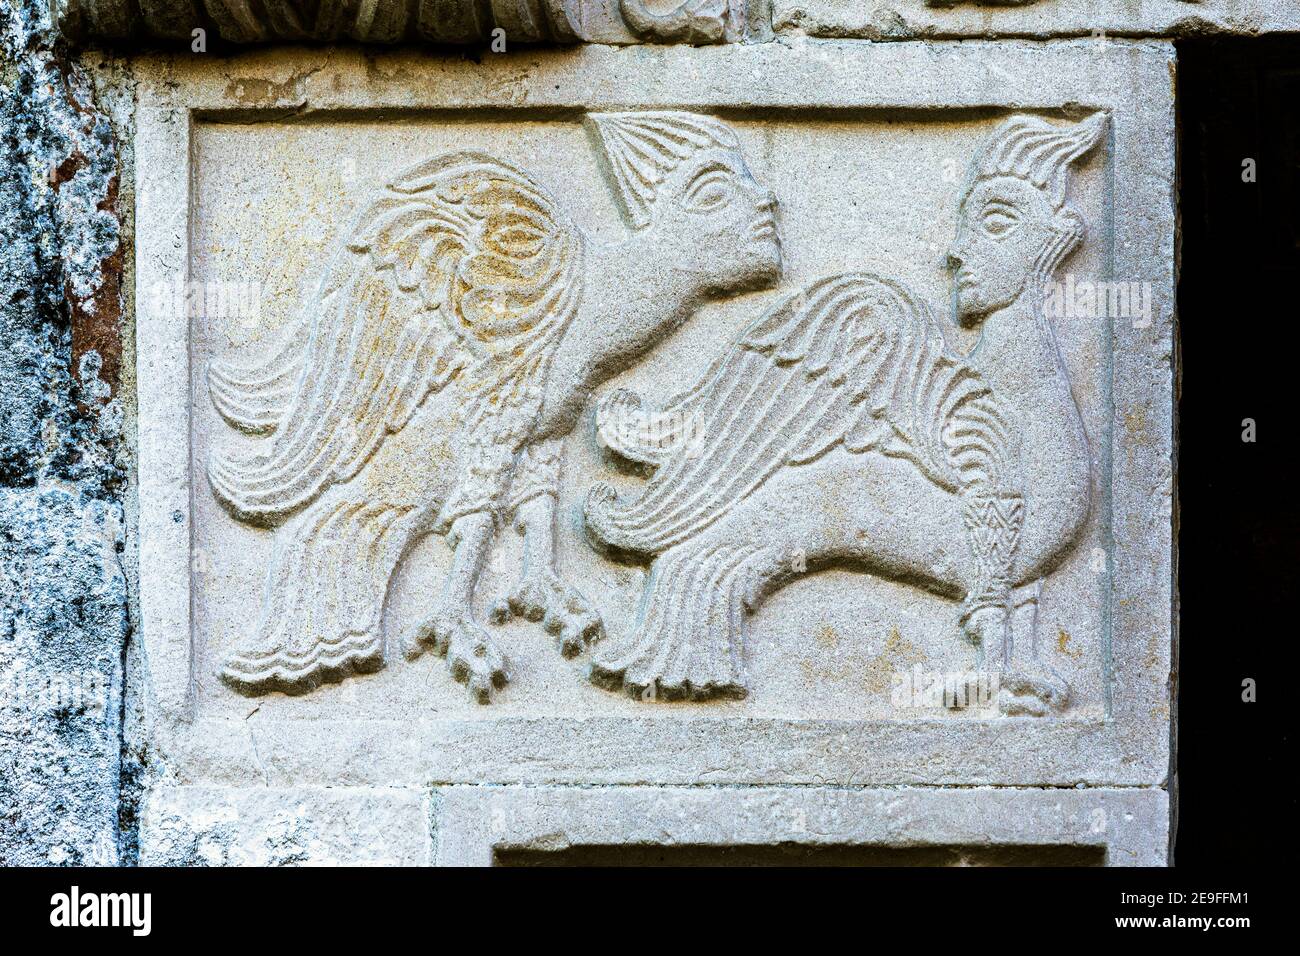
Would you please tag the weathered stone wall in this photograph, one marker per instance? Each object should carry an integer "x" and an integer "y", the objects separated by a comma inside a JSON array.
[{"x": 63, "y": 621}]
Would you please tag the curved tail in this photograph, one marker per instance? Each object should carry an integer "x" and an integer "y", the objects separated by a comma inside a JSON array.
[
  {"x": 323, "y": 612},
  {"x": 688, "y": 637}
]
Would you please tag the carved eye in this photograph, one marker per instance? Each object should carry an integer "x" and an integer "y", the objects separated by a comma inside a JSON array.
[
  {"x": 710, "y": 190},
  {"x": 514, "y": 233},
  {"x": 998, "y": 219}
]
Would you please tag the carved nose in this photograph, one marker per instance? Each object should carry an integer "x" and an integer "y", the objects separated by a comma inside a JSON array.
[{"x": 956, "y": 252}]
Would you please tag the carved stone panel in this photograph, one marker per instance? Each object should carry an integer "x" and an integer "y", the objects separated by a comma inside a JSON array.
[{"x": 763, "y": 415}]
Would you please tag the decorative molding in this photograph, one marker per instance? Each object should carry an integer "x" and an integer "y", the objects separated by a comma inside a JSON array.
[
  {"x": 323, "y": 21},
  {"x": 698, "y": 22},
  {"x": 476, "y": 826}
]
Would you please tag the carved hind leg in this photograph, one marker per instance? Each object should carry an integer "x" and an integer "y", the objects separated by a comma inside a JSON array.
[
  {"x": 450, "y": 629},
  {"x": 540, "y": 594},
  {"x": 687, "y": 640},
  {"x": 1029, "y": 685}
]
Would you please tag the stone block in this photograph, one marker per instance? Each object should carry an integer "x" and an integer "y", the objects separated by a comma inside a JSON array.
[
  {"x": 1041, "y": 19},
  {"x": 741, "y": 415},
  {"x": 539, "y": 826},
  {"x": 338, "y": 826}
]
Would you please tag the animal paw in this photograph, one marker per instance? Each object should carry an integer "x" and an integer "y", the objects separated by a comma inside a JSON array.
[
  {"x": 1032, "y": 689},
  {"x": 471, "y": 656},
  {"x": 561, "y": 609}
]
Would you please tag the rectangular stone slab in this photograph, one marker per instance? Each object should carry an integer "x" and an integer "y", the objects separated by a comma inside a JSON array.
[
  {"x": 483, "y": 826},
  {"x": 248, "y": 171},
  {"x": 479, "y": 826},
  {"x": 944, "y": 19}
]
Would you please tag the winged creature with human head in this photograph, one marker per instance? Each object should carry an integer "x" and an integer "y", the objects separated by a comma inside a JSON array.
[
  {"x": 842, "y": 429},
  {"x": 441, "y": 358}
]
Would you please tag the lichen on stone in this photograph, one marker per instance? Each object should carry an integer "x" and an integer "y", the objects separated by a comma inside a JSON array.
[{"x": 63, "y": 608}]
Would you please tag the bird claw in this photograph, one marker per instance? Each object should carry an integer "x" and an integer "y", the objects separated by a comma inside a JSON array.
[
  {"x": 562, "y": 611},
  {"x": 471, "y": 656}
]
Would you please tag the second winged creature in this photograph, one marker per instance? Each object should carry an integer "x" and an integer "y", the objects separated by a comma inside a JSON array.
[
  {"x": 446, "y": 351},
  {"x": 842, "y": 429}
]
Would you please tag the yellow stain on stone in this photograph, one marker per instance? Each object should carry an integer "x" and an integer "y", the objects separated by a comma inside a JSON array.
[
  {"x": 827, "y": 637},
  {"x": 1064, "y": 646},
  {"x": 255, "y": 91},
  {"x": 1138, "y": 430},
  {"x": 897, "y": 655}
]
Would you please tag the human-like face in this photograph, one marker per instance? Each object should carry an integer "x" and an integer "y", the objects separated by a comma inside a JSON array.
[
  {"x": 720, "y": 223},
  {"x": 1003, "y": 227}
]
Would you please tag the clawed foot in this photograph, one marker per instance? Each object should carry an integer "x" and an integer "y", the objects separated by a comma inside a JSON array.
[
  {"x": 1032, "y": 689},
  {"x": 471, "y": 656},
  {"x": 562, "y": 610}
]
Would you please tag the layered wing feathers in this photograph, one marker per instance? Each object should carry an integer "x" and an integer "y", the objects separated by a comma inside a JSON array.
[
  {"x": 461, "y": 267},
  {"x": 855, "y": 360}
]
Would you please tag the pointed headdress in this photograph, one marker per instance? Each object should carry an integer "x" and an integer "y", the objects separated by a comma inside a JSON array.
[
  {"x": 1031, "y": 148},
  {"x": 642, "y": 149}
]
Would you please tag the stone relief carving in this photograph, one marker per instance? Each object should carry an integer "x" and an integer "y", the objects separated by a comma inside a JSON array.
[
  {"x": 398, "y": 21},
  {"x": 325, "y": 21},
  {"x": 444, "y": 353},
  {"x": 693, "y": 21},
  {"x": 842, "y": 428}
]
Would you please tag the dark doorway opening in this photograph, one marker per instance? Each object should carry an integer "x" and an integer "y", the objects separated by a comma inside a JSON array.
[
  {"x": 1239, "y": 505},
  {"x": 789, "y": 854}
]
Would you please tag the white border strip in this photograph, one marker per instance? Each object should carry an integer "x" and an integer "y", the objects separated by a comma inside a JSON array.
[{"x": 162, "y": 215}]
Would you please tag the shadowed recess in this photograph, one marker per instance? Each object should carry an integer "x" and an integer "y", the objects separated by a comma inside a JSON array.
[{"x": 793, "y": 854}]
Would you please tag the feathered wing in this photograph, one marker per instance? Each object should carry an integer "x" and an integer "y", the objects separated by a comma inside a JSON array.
[
  {"x": 461, "y": 267},
  {"x": 253, "y": 397},
  {"x": 652, "y": 436},
  {"x": 854, "y": 360}
]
